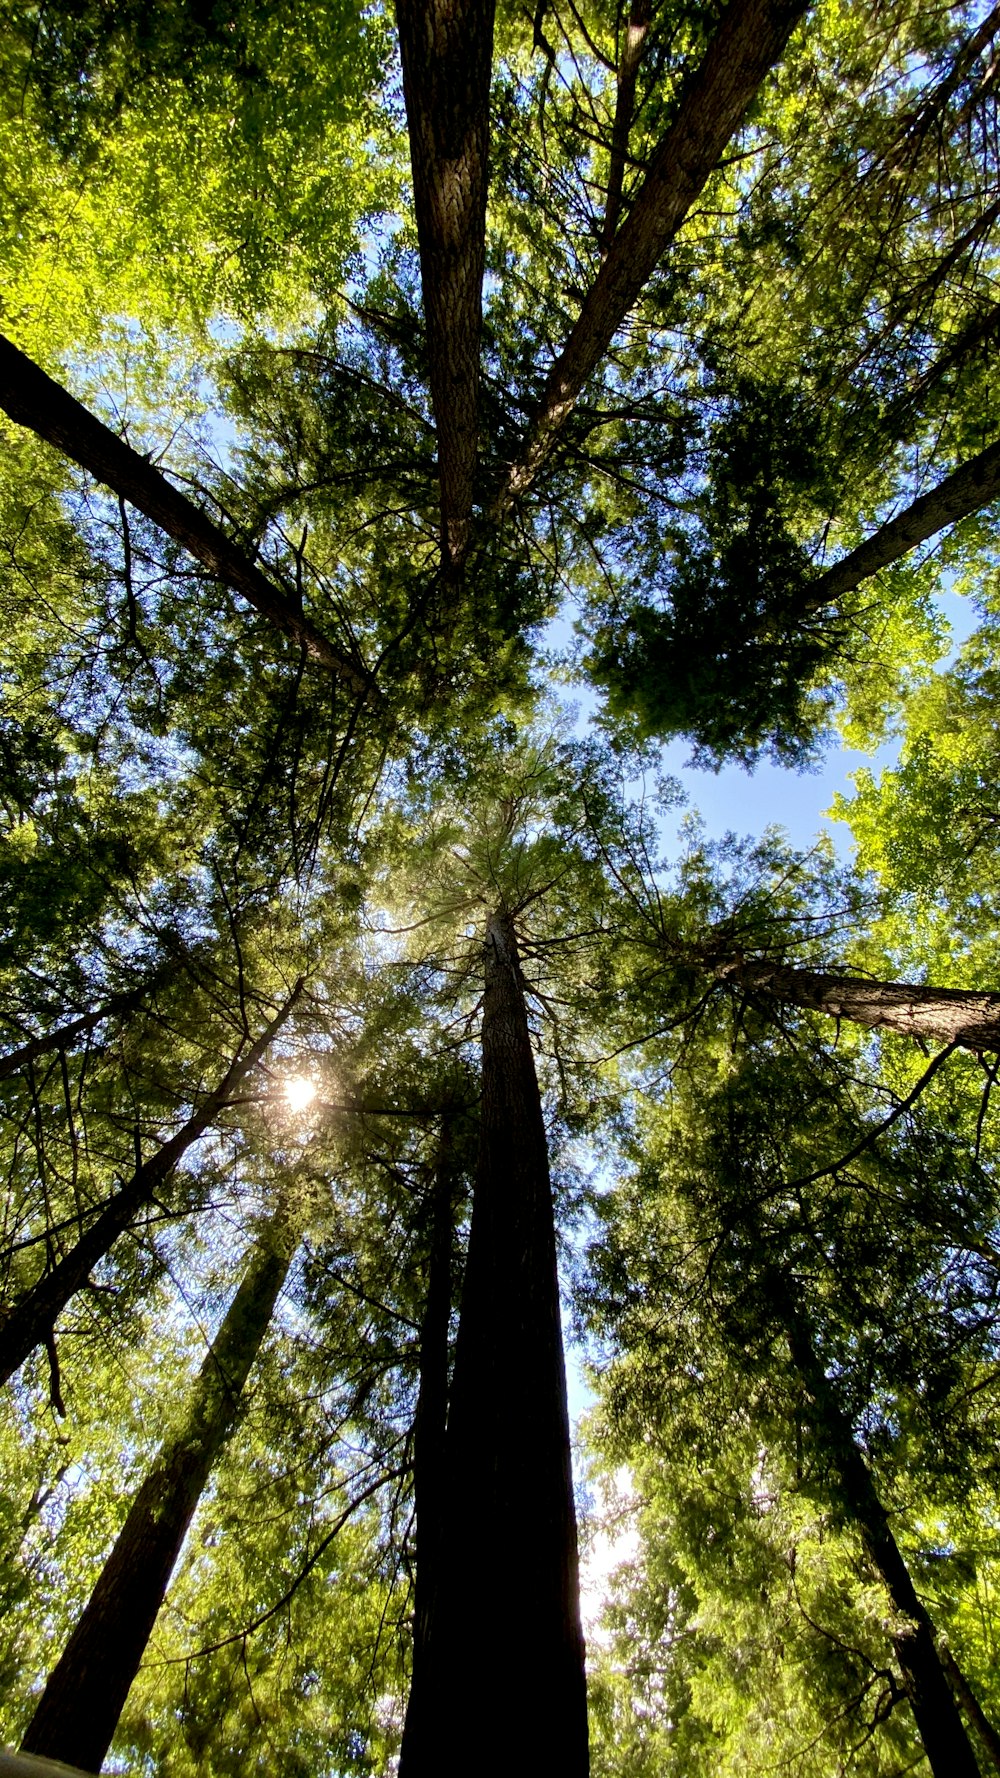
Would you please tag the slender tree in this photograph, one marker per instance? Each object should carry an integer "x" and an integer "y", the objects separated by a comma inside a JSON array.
[{"x": 79, "y": 1709}]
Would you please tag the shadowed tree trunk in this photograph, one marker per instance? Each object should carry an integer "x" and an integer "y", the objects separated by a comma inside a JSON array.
[
  {"x": 31, "y": 1321},
  {"x": 86, "y": 1692},
  {"x": 447, "y": 54},
  {"x": 34, "y": 400},
  {"x": 429, "y": 1471},
  {"x": 971, "y": 1707},
  {"x": 633, "y": 41},
  {"x": 749, "y": 41},
  {"x": 946, "y": 1743},
  {"x": 504, "y": 1684},
  {"x": 949, "y": 1015}
]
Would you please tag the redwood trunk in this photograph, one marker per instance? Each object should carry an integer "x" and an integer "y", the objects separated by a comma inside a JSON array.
[
  {"x": 946, "y": 1743},
  {"x": 948, "y": 1015},
  {"x": 86, "y": 1692},
  {"x": 447, "y": 53},
  {"x": 750, "y": 39},
  {"x": 505, "y": 1685},
  {"x": 32, "y": 1320},
  {"x": 34, "y": 400}
]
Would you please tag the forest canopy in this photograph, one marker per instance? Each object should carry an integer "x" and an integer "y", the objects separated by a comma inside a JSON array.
[{"x": 414, "y": 423}]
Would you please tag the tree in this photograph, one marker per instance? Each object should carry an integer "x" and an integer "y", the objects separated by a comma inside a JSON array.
[{"x": 688, "y": 337}]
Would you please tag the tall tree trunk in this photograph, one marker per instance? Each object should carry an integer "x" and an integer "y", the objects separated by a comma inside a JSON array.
[
  {"x": 34, "y": 400},
  {"x": 62, "y": 1037},
  {"x": 505, "y": 1685},
  {"x": 32, "y": 1320},
  {"x": 430, "y": 1430},
  {"x": 749, "y": 41},
  {"x": 447, "y": 53},
  {"x": 949, "y": 1015},
  {"x": 86, "y": 1692},
  {"x": 946, "y": 1743}
]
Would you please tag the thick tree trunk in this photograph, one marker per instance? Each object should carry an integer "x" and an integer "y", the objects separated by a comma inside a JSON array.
[
  {"x": 749, "y": 41},
  {"x": 946, "y": 1743},
  {"x": 32, "y": 1320},
  {"x": 505, "y": 1684},
  {"x": 34, "y": 400},
  {"x": 447, "y": 54},
  {"x": 86, "y": 1692},
  {"x": 969, "y": 487},
  {"x": 947, "y": 1015}
]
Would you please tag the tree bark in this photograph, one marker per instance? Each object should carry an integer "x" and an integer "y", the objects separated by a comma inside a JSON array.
[
  {"x": 35, "y": 401},
  {"x": 447, "y": 54},
  {"x": 79, "y": 1709},
  {"x": 969, "y": 487},
  {"x": 946, "y": 1743},
  {"x": 505, "y": 1684},
  {"x": 948, "y": 1015},
  {"x": 32, "y": 1319},
  {"x": 749, "y": 41}
]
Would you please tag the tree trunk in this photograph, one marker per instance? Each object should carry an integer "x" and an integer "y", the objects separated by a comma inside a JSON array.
[
  {"x": 948, "y": 1015},
  {"x": 34, "y": 400},
  {"x": 970, "y": 486},
  {"x": 970, "y": 1705},
  {"x": 946, "y": 1743},
  {"x": 505, "y": 1687},
  {"x": 636, "y": 32},
  {"x": 749, "y": 41},
  {"x": 430, "y": 1429},
  {"x": 447, "y": 53},
  {"x": 86, "y": 1692},
  {"x": 29, "y": 1323}
]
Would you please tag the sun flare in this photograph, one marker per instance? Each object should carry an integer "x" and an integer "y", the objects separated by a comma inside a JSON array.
[{"x": 299, "y": 1091}]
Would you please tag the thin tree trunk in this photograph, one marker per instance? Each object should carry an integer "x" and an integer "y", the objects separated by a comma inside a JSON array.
[
  {"x": 447, "y": 53},
  {"x": 946, "y": 1743},
  {"x": 506, "y": 1689},
  {"x": 32, "y": 1319},
  {"x": 749, "y": 41},
  {"x": 63, "y": 1036},
  {"x": 969, "y": 1703},
  {"x": 34, "y": 400},
  {"x": 430, "y": 1429},
  {"x": 972, "y": 485},
  {"x": 949, "y": 1015},
  {"x": 79, "y": 1709},
  {"x": 636, "y": 32}
]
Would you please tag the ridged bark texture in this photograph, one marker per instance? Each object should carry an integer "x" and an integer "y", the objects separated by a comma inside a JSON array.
[
  {"x": 79, "y": 1709},
  {"x": 949, "y": 1015},
  {"x": 505, "y": 1685},
  {"x": 447, "y": 53},
  {"x": 32, "y": 1320},
  {"x": 969, "y": 487},
  {"x": 34, "y": 400},
  {"x": 946, "y": 1743},
  {"x": 749, "y": 41}
]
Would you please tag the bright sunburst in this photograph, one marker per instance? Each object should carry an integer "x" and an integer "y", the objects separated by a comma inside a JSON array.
[{"x": 299, "y": 1091}]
